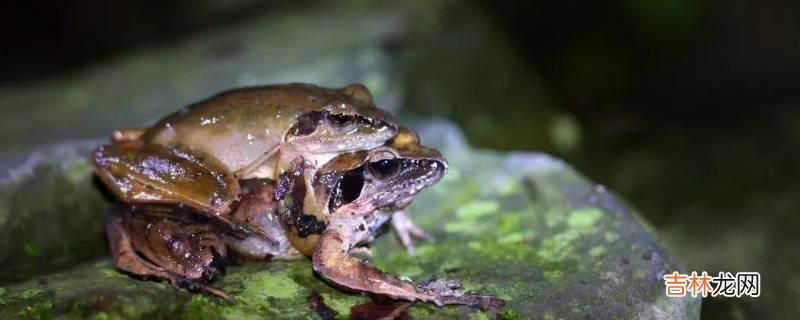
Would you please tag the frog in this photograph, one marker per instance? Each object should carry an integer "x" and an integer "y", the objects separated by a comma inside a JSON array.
[
  {"x": 356, "y": 194},
  {"x": 195, "y": 157},
  {"x": 359, "y": 193}
]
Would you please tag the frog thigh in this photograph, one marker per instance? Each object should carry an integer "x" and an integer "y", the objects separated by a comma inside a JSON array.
[
  {"x": 127, "y": 259},
  {"x": 181, "y": 246},
  {"x": 179, "y": 252},
  {"x": 150, "y": 174}
]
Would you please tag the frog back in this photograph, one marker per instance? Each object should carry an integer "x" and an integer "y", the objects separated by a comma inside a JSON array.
[{"x": 238, "y": 126}]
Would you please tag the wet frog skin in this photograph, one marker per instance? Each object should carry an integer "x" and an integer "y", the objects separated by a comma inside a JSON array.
[{"x": 196, "y": 156}]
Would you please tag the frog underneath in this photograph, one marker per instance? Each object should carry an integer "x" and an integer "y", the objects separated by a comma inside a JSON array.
[{"x": 355, "y": 194}]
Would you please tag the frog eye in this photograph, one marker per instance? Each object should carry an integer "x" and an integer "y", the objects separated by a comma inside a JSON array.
[
  {"x": 341, "y": 120},
  {"x": 384, "y": 168}
]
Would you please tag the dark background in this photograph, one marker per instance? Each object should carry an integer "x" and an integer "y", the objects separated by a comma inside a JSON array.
[{"x": 689, "y": 109}]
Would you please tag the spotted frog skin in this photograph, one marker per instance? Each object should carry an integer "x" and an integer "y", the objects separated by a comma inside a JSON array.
[
  {"x": 196, "y": 157},
  {"x": 355, "y": 194}
]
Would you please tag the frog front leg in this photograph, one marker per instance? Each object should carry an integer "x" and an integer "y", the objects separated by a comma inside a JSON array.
[
  {"x": 332, "y": 260},
  {"x": 405, "y": 229},
  {"x": 297, "y": 208},
  {"x": 180, "y": 253}
]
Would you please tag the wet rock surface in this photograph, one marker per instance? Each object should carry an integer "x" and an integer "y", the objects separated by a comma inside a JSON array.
[{"x": 523, "y": 226}]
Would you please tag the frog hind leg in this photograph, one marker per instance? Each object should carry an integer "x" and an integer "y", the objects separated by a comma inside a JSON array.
[
  {"x": 148, "y": 174},
  {"x": 406, "y": 229},
  {"x": 152, "y": 174},
  {"x": 129, "y": 259},
  {"x": 332, "y": 260}
]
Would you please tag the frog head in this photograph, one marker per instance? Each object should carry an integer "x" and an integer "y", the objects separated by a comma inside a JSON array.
[
  {"x": 386, "y": 177},
  {"x": 346, "y": 121}
]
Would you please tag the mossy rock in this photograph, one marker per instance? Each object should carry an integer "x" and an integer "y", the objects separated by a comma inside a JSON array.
[{"x": 523, "y": 226}]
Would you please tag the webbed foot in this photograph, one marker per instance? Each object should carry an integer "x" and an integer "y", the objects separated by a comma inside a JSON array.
[{"x": 445, "y": 291}]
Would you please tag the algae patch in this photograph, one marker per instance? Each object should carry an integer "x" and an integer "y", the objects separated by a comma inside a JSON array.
[
  {"x": 469, "y": 216},
  {"x": 597, "y": 251},
  {"x": 584, "y": 218},
  {"x": 268, "y": 284}
]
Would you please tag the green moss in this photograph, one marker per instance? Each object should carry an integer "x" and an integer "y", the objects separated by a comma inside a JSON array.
[
  {"x": 553, "y": 275},
  {"x": 268, "y": 284},
  {"x": 478, "y": 316},
  {"x": 200, "y": 307},
  {"x": 508, "y": 222},
  {"x": 597, "y": 251},
  {"x": 112, "y": 273},
  {"x": 559, "y": 247},
  {"x": 584, "y": 218},
  {"x": 105, "y": 316},
  {"x": 477, "y": 208},
  {"x": 29, "y": 293},
  {"x": 508, "y": 314},
  {"x": 343, "y": 303},
  {"x": 36, "y": 311},
  {"x": 514, "y": 237}
]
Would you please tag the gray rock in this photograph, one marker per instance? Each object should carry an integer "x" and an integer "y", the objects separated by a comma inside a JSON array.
[{"x": 523, "y": 226}]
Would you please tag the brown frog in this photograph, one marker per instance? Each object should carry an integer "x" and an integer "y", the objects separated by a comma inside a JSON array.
[
  {"x": 356, "y": 193},
  {"x": 195, "y": 157}
]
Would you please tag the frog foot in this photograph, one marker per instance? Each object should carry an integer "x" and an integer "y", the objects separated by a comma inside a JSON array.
[
  {"x": 405, "y": 229},
  {"x": 446, "y": 291}
]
